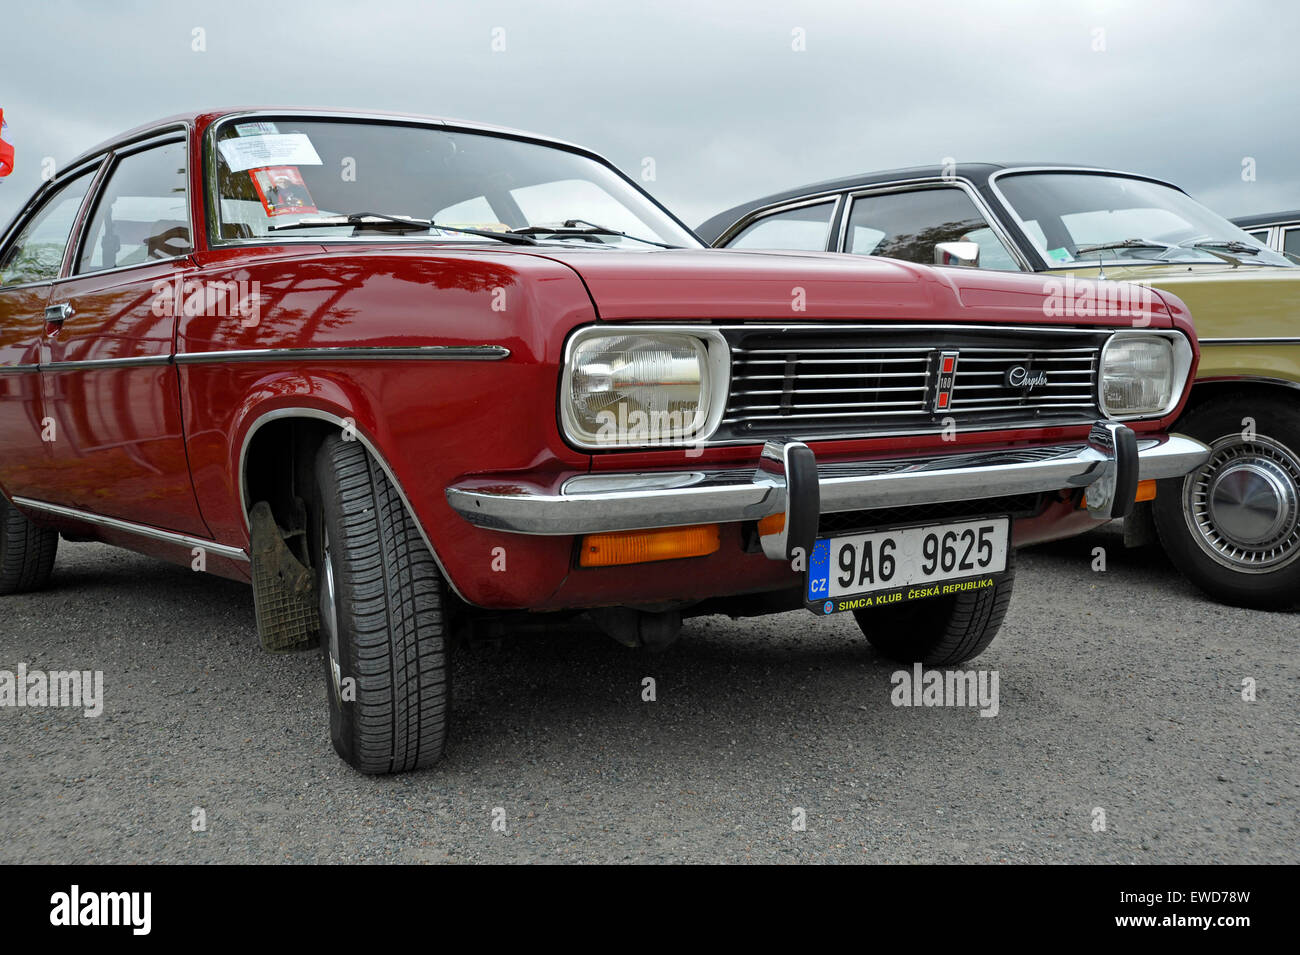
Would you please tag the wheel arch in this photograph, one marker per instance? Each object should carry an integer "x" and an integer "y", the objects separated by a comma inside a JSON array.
[
  {"x": 296, "y": 433},
  {"x": 1209, "y": 389}
]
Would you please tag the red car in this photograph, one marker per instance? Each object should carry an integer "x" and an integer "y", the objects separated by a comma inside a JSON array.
[{"x": 413, "y": 377}]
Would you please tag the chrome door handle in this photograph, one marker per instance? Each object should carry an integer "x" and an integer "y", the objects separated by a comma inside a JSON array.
[{"x": 58, "y": 314}]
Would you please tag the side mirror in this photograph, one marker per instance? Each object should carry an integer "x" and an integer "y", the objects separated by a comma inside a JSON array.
[{"x": 957, "y": 253}]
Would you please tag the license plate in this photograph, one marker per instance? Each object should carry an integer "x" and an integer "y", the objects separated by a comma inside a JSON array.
[{"x": 906, "y": 563}]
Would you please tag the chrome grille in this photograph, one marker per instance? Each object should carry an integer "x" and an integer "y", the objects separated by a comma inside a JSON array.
[
  {"x": 869, "y": 379},
  {"x": 980, "y": 385}
]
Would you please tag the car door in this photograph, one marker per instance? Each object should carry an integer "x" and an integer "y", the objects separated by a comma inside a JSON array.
[
  {"x": 30, "y": 262},
  {"x": 108, "y": 377}
]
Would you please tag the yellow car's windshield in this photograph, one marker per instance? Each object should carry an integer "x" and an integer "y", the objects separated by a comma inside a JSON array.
[{"x": 1074, "y": 217}]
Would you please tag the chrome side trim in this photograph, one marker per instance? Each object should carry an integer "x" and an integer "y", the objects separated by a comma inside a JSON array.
[
  {"x": 617, "y": 502},
  {"x": 130, "y": 527},
  {"x": 1247, "y": 379},
  {"x": 1290, "y": 340},
  {"x": 363, "y": 353},
  {"x": 133, "y": 362},
  {"x": 282, "y": 413}
]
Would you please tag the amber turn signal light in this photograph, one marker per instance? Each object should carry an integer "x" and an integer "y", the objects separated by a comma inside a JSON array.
[{"x": 640, "y": 547}]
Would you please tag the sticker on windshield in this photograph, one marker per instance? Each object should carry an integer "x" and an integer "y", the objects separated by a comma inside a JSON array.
[
  {"x": 282, "y": 190},
  {"x": 257, "y": 129},
  {"x": 281, "y": 149},
  {"x": 1059, "y": 255}
]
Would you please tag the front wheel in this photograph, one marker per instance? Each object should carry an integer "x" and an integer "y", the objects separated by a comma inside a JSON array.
[
  {"x": 1232, "y": 526},
  {"x": 384, "y": 630},
  {"x": 940, "y": 631},
  {"x": 26, "y": 552}
]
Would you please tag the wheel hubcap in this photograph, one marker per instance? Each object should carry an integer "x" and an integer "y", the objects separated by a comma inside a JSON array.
[
  {"x": 329, "y": 620},
  {"x": 1243, "y": 504}
]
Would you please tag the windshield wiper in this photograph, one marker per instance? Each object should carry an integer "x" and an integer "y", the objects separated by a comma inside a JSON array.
[
  {"x": 512, "y": 237},
  {"x": 379, "y": 222},
  {"x": 1228, "y": 245},
  {"x": 359, "y": 221},
  {"x": 580, "y": 227},
  {"x": 1122, "y": 244}
]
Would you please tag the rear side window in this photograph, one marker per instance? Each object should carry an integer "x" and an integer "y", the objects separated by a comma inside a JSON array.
[
  {"x": 141, "y": 213},
  {"x": 805, "y": 229},
  {"x": 37, "y": 253}
]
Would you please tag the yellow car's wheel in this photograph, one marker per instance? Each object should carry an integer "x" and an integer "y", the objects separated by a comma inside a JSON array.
[{"x": 1233, "y": 525}]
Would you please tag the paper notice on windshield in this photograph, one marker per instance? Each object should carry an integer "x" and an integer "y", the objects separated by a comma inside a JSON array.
[{"x": 283, "y": 149}]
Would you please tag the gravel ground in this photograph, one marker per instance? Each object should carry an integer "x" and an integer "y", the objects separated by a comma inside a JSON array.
[{"x": 1119, "y": 691}]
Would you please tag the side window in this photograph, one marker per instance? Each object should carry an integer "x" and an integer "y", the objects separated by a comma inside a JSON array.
[
  {"x": 908, "y": 225},
  {"x": 993, "y": 254},
  {"x": 1260, "y": 236},
  {"x": 37, "y": 253},
  {"x": 1291, "y": 241},
  {"x": 804, "y": 229},
  {"x": 141, "y": 213}
]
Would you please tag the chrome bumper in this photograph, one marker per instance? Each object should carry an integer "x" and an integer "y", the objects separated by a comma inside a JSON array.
[{"x": 592, "y": 503}]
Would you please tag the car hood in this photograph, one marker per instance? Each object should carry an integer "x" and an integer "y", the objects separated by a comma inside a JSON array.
[
  {"x": 1251, "y": 301},
  {"x": 723, "y": 284}
]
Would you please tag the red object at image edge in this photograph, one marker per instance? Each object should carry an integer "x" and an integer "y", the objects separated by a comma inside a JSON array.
[{"x": 6, "y": 150}]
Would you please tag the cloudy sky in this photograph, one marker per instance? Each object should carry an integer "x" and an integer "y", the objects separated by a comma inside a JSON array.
[{"x": 717, "y": 92}]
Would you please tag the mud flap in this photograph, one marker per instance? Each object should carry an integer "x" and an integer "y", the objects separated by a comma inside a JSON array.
[
  {"x": 1140, "y": 527},
  {"x": 284, "y": 591}
]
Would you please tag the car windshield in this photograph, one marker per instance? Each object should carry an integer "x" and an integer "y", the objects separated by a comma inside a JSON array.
[
  {"x": 1097, "y": 217},
  {"x": 273, "y": 174}
]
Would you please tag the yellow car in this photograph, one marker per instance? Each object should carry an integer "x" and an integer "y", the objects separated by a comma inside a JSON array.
[{"x": 1232, "y": 525}]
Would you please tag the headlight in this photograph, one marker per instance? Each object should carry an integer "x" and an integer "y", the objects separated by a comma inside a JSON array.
[
  {"x": 643, "y": 387},
  {"x": 1143, "y": 374}
]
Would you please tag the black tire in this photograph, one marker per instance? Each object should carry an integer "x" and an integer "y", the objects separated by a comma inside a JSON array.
[
  {"x": 26, "y": 552},
  {"x": 388, "y": 617},
  {"x": 940, "y": 631},
  {"x": 1205, "y": 527}
]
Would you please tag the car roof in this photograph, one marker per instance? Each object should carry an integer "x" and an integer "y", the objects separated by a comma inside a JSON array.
[
  {"x": 976, "y": 172},
  {"x": 1267, "y": 218},
  {"x": 204, "y": 117}
]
